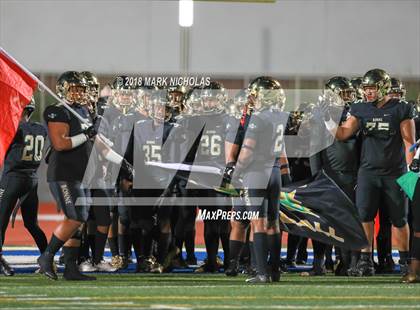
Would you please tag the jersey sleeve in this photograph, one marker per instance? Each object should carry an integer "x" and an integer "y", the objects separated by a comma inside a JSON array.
[
  {"x": 407, "y": 111},
  {"x": 355, "y": 110},
  {"x": 56, "y": 114},
  {"x": 255, "y": 126}
]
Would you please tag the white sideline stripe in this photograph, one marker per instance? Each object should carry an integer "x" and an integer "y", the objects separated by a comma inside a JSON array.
[{"x": 169, "y": 307}]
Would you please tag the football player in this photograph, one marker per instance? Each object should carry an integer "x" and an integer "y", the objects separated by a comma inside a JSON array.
[
  {"x": 259, "y": 160},
  {"x": 387, "y": 129},
  {"x": 340, "y": 161},
  {"x": 68, "y": 159},
  {"x": 357, "y": 85},
  {"x": 19, "y": 181}
]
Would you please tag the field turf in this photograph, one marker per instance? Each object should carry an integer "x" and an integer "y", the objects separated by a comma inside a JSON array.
[{"x": 190, "y": 291}]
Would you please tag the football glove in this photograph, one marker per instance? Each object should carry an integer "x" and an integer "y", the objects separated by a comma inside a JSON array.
[
  {"x": 415, "y": 165},
  {"x": 90, "y": 132},
  {"x": 127, "y": 170}
]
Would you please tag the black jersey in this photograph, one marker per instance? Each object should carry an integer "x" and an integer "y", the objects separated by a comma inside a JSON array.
[
  {"x": 417, "y": 122},
  {"x": 25, "y": 152},
  {"x": 211, "y": 148},
  {"x": 69, "y": 165},
  {"x": 237, "y": 128},
  {"x": 383, "y": 151},
  {"x": 267, "y": 129},
  {"x": 341, "y": 156}
]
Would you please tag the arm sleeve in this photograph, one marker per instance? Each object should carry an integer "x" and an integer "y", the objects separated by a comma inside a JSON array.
[
  {"x": 407, "y": 111},
  {"x": 315, "y": 162},
  {"x": 56, "y": 114}
]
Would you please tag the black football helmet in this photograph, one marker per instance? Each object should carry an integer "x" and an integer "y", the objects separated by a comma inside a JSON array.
[
  {"x": 357, "y": 85},
  {"x": 160, "y": 107},
  {"x": 176, "y": 97},
  {"x": 123, "y": 94},
  {"x": 213, "y": 98},
  {"x": 72, "y": 87},
  {"x": 342, "y": 87},
  {"x": 30, "y": 107},
  {"x": 379, "y": 79},
  {"x": 397, "y": 89},
  {"x": 267, "y": 93},
  {"x": 238, "y": 104}
]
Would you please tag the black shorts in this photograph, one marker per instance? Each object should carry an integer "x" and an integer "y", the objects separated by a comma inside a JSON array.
[
  {"x": 66, "y": 195},
  {"x": 263, "y": 184},
  {"x": 374, "y": 192}
]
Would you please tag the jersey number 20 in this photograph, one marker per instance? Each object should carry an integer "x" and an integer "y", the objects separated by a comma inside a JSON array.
[{"x": 33, "y": 148}]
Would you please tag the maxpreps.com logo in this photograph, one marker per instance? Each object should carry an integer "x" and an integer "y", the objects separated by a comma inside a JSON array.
[{"x": 290, "y": 202}]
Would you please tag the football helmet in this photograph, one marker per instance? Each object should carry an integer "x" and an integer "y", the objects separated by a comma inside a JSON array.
[
  {"x": 357, "y": 85},
  {"x": 266, "y": 92},
  {"x": 379, "y": 79},
  {"x": 161, "y": 110},
  {"x": 176, "y": 97},
  {"x": 72, "y": 87},
  {"x": 213, "y": 98},
  {"x": 30, "y": 108},
  {"x": 238, "y": 104},
  {"x": 342, "y": 87},
  {"x": 123, "y": 94},
  {"x": 397, "y": 89},
  {"x": 92, "y": 91},
  {"x": 192, "y": 102}
]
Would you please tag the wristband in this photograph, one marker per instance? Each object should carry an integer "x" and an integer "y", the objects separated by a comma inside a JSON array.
[
  {"x": 330, "y": 124},
  {"x": 113, "y": 157},
  {"x": 78, "y": 140}
]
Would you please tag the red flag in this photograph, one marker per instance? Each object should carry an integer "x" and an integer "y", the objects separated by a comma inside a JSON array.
[{"x": 16, "y": 90}]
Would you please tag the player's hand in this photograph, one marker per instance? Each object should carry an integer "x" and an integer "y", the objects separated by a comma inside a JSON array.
[
  {"x": 126, "y": 185},
  {"x": 415, "y": 165},
  {"x": 127, "y": 170},
  {"x": 90, "y": 132},
  {"x": 228, "y": 173},
  {"x": 324, "y": 107}
]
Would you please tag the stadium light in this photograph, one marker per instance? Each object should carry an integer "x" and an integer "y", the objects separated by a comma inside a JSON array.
[{"x": 186, "y": 13}]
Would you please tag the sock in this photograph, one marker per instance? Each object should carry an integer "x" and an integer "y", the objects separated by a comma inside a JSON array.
[
  {"x": 54, "y": 245},
  {"x": 319, "y": 255},
  {"x": 146, "y": 242},
  {"x": 163, "y": 246},
  {"x": 292, "y": 246},
  {"x": 113, "y": 246},
  {"x": 261, "y": 251},
  {"x": 136, "y": 237},
  {"x": 235, "y": 249},
  {"x": 415, "y": 249},
  {"x": 403, "y": 257},
  {"x": 211, "y": 239},
  {"x": 100, "y": 240},
  {"x": 252, "y": 253},
  {"x": 91, "y": 242},
  {"x": 189, "y": 240},
  {"x": 84, "y": 246},
  {"x": 274, "y": 245},
  {"x": 224, "y": 238},
  {"x": 123, "y": 244}
]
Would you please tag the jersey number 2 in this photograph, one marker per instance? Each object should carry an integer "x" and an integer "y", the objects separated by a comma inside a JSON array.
[{"x": 33, "y": 148}]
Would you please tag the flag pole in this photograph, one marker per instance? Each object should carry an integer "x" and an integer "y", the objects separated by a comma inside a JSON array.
[{"x": 45, "y": 87}]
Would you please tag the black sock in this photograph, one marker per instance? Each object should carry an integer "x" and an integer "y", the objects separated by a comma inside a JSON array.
[
  {"x": 252, "y": 252},
  {"x": 235, "y": 249},
  {"x": 274, "y": 245},
  {"x": 415, "y": 248},
  {"x": 319, "y": 255},
  {"x": 84, "y": 246},
  {"x": 146, "y": 242},
  {"x": 100, "y": 241},
  {"x": 123, "y": 244},
  {"x": 163, "y": 246},
  {"x": 211, "y": 239},
  {"x": 403, "y": 257},
  {"x": 189, "y": 239},
  {"x": 91, "y": 241},
  {"x": 261, "y": 252},
  {"x": 54, "y": 245},
  {"x": 70, "y": 255},
  {"x": 113, "y": 246},
  {"x": 136, "y": 237},
  {"x": 224, "y": 238}
]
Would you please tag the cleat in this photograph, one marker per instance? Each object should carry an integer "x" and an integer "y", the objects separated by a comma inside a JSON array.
[
  {"x": 258, "y": 279},
  {"x": 410, "y": 278},
  {"x": 46, "y": 266},
  {"x": 179, "y": 263},
  {"x": 73, "y": 274},
  {"x": 168, "y": 259},
  {"x": 232, "y": 270},
  {"x": 5, "y": 267},
  {"x": 275, "y": 274},
  {"x": 116, "y": 261},
  {"x": 156, "y": 268},
  {"x": 87, "y": 266},
  {"x": 315, "y": 272},
  {"x": 191, "y": 260},
  {"x": 404, "y": 269},
  {"x": 104, "y": 266},
  {"x": 124, "y": 262},
  {"x": 364, "y": 268}
]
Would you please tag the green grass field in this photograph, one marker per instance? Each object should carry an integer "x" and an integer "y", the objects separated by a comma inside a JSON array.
[{"x": 189, "y": 291}]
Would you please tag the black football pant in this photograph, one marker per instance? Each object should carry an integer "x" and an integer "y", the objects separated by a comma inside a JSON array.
[{"x": 24, "y": 189}]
